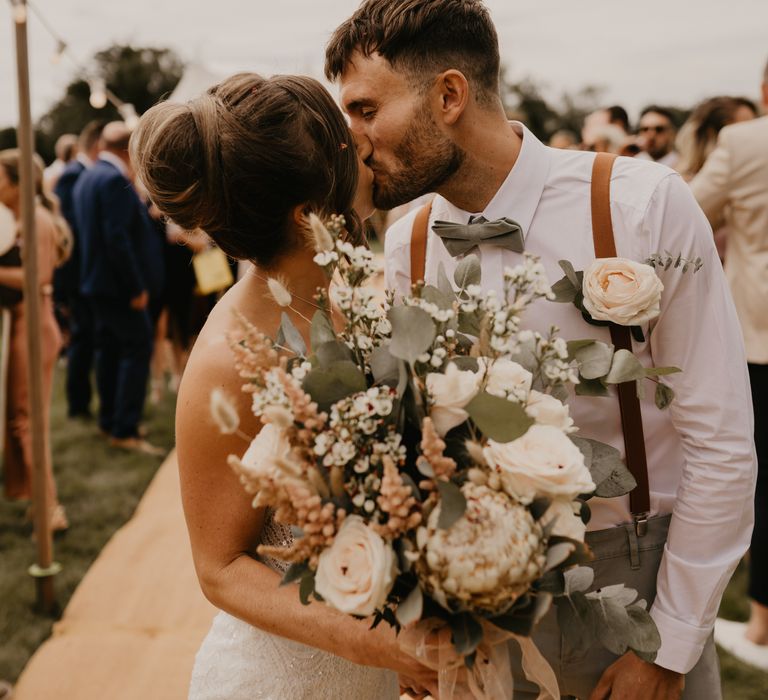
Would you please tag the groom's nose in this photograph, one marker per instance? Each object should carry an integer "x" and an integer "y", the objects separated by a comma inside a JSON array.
[{"x": 364, "y": 148}]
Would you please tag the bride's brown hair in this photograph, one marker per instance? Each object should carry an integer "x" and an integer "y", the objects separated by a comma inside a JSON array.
[{"x": 236, "y": 161}]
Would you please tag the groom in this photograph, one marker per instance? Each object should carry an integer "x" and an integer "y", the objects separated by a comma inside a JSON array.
[{"x": 420, "y": 81}]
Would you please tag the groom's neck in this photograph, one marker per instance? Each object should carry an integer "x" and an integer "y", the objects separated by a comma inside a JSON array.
[{"x": 490, "y": 148}]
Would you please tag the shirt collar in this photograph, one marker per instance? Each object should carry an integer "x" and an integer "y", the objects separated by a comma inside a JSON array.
[
  {"x": 84, "y": 160},
  {"x": 114, "y": 160},
  {"x": 519, "y": 194}
]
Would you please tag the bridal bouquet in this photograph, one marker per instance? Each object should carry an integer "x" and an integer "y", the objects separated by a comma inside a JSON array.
[{"x": 429, "y": 468}]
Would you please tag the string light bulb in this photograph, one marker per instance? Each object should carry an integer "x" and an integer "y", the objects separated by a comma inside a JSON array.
[
  {"x": 19, "y": 12},
  {"x": 61, "y": 47},
  {"x": 128, "y": 113},
  {"x": 98, "y": 98}
]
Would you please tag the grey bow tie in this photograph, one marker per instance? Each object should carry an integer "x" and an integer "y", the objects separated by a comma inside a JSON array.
[{"x": 461, "y": 238}]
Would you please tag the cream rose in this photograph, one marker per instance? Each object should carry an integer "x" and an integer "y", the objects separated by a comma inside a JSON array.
[
  {"x": 567, "y": 523},
  {"x": 543, "y": 462},
  {"x": 356, "y": 573},
  {"x": 506, "y": 378},
  {"x": 547, "y": 410},
  {"x": 450, "y": 392},
  {"x": 623, "y": 291},
  {"x": 269, "y": 445}
]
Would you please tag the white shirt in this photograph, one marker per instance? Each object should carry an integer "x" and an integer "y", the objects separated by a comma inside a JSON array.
[
  {"x": 670, "y": 160},
  {"x": 701, "y": 458}
]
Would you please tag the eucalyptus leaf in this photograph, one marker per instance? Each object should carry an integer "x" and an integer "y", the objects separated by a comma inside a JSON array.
[
  {"x": 645, "y": 636},
  {"x": 603, "y": 460},
  {"x": 580, "y": 578},
  {"x": 384, "y": 366},
  {"x": 466, "y": 633},
  {"x": 293, "y": 338},
  {"x": 469, "y": 323},
  {"x": 413, "y": 331},
  {"x": 552, "y": 582},
  {"x": 295, "y": 572},
  {"x": 306, "y": 588},
  {"x": 661, "y": 371},
  {"x": 453, "y": 505},
  {"x": 539, "y": 507},
  {"x": 468, "y": 272},
  {"x": 425, "y": 468},
  {"x": 664, "y": 396},
  {"x": 619, "y": 483},
  {"x": 327, "y": 385},
  {"x": 410, "y": 609},
  {"x": 594, "y": 359},
  {"x": 557, "y": 554},
  {"x": 543, "y": 604},
  {"x": 443, "y": 283},
  {"x": 591, "y": 387},
  {"x": 570, "y": 273},
  {"x": 321, "y": 330},
  {"x": 499, "y": 419},
  {"x": 576, "y": 621},
  {"x": 332, "y": 351},
  {"x": 434, "y": 296},
  {"x": 564, "y": 291},
  {"x": 625, "y": 368},
  {"x": 465, "y": 363},
  {"x": 560, "y": 392},
  {"x": 615, "y": 626}
]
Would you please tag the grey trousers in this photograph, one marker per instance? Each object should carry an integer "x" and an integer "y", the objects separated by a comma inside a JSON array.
[{"x": 620, "y": 557}]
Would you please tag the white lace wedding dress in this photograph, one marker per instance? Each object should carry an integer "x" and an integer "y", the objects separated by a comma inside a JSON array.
[{"x": 240, "y": 662}]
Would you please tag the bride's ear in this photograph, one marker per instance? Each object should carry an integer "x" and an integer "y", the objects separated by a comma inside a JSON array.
[{"x": 299, "y": 215}]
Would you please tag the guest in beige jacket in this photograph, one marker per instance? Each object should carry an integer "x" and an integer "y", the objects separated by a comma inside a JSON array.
[{"x": 733, "y": 185}]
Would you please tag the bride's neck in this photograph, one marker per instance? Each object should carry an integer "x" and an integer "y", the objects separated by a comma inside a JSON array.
[{"x": 299, "y": 273}]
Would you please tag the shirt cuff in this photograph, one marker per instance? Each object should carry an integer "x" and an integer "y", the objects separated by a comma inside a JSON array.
[{"x": 681, "y": 643}]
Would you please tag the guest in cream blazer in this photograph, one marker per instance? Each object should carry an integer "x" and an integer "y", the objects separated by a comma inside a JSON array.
[{"x": 733, "y": 184}]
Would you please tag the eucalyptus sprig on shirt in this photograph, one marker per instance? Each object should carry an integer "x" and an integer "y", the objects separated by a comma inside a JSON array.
[{"x": 626, "y": 293}]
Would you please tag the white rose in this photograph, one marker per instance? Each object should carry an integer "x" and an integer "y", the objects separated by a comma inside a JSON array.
[
  {"x": 543, "y": 462},
  {"x": 269, "y": 445},
  {"x": 506, "y": 377},
  {"x": 356, "y": 573},
  {"x": 567, "y": 523},
  {"x": 450, "y": 392},
  {"x": 547, "y": 410},
  {"x": 623, "y": 291}
]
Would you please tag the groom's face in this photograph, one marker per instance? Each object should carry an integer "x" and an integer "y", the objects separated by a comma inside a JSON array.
[{"x": 409, "y": 153}]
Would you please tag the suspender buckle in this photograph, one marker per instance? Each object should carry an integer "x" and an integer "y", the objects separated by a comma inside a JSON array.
[{"x": 641, "y": 523}]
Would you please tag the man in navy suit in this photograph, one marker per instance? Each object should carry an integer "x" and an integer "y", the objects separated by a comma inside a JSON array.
[
  {"x": 66, "y": 281},
  {"x": 117, "y": 276}
]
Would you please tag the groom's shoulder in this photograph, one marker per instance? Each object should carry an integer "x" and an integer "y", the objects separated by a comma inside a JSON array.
[
  {"x": 633, "y": 181},
  {"x": 398, "y": 235}
]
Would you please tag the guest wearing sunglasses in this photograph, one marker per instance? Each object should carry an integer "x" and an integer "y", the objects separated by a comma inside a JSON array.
[{"x": 656, "y": 132}]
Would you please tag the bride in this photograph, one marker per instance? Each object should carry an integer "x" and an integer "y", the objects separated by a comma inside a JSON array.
[{"x": 246, "y": 163}]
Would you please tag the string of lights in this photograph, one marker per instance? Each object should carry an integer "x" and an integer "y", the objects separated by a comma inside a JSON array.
[{"x": 100, "y": 93}]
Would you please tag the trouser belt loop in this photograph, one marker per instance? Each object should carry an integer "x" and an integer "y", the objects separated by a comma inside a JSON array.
[{"x": 634, "y": 548}]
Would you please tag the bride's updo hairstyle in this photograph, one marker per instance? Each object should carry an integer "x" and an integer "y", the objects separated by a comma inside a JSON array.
[{"x": 236, "y": 161}]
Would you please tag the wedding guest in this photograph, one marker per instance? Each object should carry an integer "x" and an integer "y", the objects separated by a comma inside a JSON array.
[
  {"x": 116, "y": 279},
  {"x": 66, "y": 151},
  {"x": 52, "y": 246},
  {"x": 71, "y": 305},
  {"x": 563, "y": 138},
  {"x": 419, "y": 82},
  {"x": 656, "y": 130},
  {"x": 733, "y": 186}
]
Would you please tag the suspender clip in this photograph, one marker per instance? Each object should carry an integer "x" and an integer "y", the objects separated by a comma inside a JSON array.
[{"x": 641, "y": 523}]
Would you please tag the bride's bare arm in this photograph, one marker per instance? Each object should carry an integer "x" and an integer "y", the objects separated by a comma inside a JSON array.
[{"x": 224, "y": 530}]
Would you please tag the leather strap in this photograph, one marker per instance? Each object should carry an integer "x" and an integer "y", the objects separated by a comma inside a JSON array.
[
  {"x": 629, "y": 405},
  {"x": 419, "y": 244}
]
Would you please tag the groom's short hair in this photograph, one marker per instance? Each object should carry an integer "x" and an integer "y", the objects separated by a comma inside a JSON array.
[{"x": 422, "y": 38}]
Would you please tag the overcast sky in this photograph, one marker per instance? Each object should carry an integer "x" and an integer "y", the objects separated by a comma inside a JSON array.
[{"x": 666, "y": 51}]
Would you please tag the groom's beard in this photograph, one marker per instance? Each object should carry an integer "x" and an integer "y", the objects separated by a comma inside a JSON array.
[{"x": 426, "y": 158}]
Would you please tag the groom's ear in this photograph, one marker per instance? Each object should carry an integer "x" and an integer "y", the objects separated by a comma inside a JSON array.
[{"x": 453, "y": 93}]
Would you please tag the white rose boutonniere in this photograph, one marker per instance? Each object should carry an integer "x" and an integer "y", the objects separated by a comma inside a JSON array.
[
  {"x": 543, "y": 462},
  {"x": 355, "y": 574},
  {"x": 450, "y": 393},
  {"x": 622, "y": 291}
]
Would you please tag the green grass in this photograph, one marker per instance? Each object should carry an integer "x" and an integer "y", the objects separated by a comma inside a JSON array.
[{"x": 100, "y": 488}]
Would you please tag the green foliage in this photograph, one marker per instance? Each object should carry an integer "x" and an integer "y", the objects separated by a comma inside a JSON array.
[
  {"x": 453, "y": 505},
  {"x": 413, "y": 331},
  {"x": 141, "y": 76},
  {"x": 411, "y": 608},
  {"x": 499, "y": 419},
  {"x": 327, "y": 385}
]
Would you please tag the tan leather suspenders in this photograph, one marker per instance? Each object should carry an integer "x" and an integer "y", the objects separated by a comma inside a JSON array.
[{"x": 605, "y": 247}]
